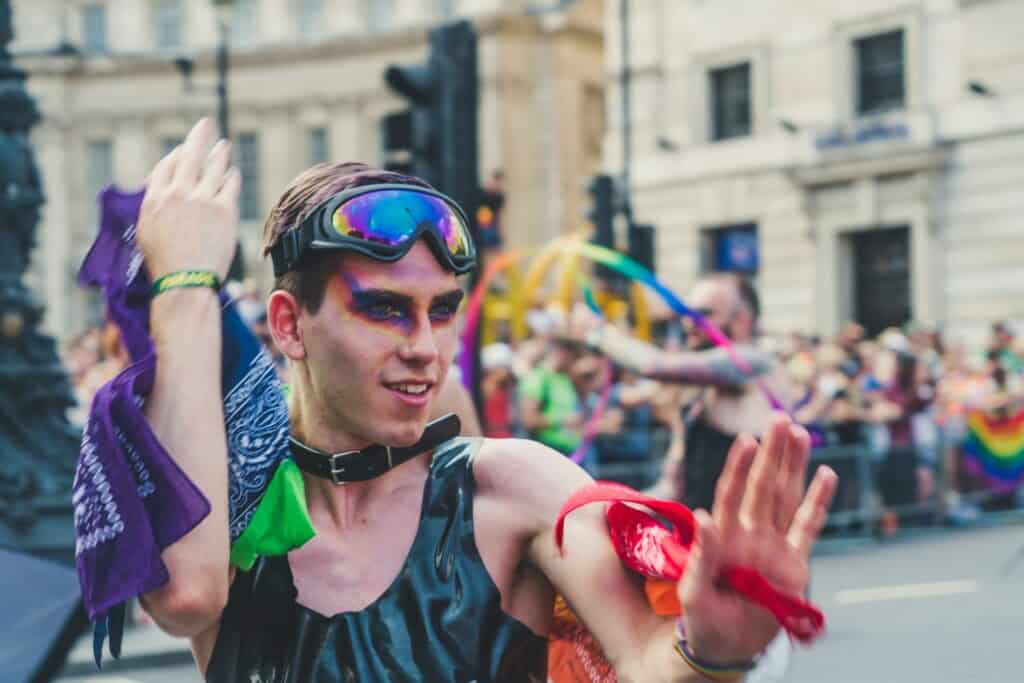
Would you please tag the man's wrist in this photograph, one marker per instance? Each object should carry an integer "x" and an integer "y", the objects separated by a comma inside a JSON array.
[
  {"x": 176, "y": 308},
  {"x": 711, "y": 667}
]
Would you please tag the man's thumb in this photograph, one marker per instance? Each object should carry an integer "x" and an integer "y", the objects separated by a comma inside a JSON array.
[{"x": 703, "y": 567}]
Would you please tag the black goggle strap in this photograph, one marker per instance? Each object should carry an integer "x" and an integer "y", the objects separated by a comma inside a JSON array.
[{"x": 290, "y": 248}]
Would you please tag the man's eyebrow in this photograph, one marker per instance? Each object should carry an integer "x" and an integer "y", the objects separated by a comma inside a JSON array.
[
  {"x": 380, "y": 295},
  {"x": 453, "y": 297}
]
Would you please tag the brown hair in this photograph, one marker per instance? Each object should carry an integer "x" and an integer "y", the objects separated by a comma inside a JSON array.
[{"x": 303, "y": 194}]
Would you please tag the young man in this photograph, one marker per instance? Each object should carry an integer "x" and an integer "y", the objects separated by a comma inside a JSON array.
[
  {"x": 549, "y": 403},
  {"x": 731, "y": 403},
  {"x": 442, "y": 568}
]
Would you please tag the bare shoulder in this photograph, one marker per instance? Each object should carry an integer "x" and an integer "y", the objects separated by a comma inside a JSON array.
[{"x": 527, "y": 476}]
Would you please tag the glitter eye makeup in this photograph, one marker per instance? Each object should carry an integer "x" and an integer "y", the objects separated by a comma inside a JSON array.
[{"x": 385, "y": 307}]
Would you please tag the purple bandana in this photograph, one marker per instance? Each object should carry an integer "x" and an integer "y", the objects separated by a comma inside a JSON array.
[{"x": 131, "y": 499}]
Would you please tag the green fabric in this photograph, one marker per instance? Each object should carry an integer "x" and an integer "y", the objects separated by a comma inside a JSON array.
[
  {"x": 558, "y": 402},
  {"x": 1010, "y": 361},
  {"x": 281, "y": 522}
]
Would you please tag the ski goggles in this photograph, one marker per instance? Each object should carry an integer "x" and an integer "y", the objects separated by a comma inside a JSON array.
[{"x": 382, "y": 222}]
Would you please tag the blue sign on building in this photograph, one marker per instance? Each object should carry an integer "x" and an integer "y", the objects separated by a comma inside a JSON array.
[{"x": 737, "y": 250}]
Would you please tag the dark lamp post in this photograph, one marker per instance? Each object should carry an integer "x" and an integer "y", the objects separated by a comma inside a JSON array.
[{"x": 225, "y": 10}]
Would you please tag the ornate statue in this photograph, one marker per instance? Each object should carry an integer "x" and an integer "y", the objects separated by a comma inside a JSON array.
[{"x": 38, "y": 446}]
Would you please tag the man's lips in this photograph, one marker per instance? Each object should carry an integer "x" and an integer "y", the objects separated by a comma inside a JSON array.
[{"x": 411, "y": 391}]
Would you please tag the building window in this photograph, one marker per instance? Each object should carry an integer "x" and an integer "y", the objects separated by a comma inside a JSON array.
[
  {"x": 445, "y": 9},
  {"x": 249, "y": 166},
  {"x": 311, "y": 16},
  {"x": 167, "y": 144},
  {"x": 94, "y": 28},
  {"x": 378, "y": 14},
  {"x": 731, "y": 249},
  {"x": 168, "y": 24},
  {"x": 730, "y": 102},
  {"x": 99, "y": 166},
  {"x": 245, "y": 22},
  {"x": 317, "y": 148},
  {"x": 880, "y": 72},
  {"x": 881, "y": 272}
]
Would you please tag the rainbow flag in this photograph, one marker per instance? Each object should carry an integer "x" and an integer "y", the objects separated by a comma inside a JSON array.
[{"x": 994, "y": 449}]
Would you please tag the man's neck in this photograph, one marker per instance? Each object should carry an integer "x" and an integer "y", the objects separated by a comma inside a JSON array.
[{"x": 346, "y": 503}]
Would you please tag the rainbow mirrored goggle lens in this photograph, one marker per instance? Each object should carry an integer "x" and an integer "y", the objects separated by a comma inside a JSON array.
[
  {"x": 394, "y": 217},
  {"x": 382, "y": 222}
]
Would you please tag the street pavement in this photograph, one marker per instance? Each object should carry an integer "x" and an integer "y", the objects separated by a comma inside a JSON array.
[
  {"x": 939, "y": 606},
  {"x": 945, "y": 606}
]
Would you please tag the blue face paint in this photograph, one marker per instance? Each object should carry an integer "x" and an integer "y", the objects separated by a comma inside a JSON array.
[{"x": 386, "y": 307}]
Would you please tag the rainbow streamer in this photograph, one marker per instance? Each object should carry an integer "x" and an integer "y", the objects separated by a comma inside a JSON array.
[
  {"x": 994, "y": 449},
  {"x": 473, "y": 309},
  {"x": 633, "y": 270},
  {"x": 590, "y": 429}
]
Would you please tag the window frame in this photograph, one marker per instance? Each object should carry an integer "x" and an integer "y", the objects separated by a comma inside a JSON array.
[
  {"x": 312, "y": 134},
  {"x": 159, "y": 7},
  {"x": 310, "y": 24},
  {"x": 861, "y": 47},
  {"x": 845, "y": 35},
  {"x": 250, "y": 207},
  {"x": 701, "y": 100},
  {"x": 91, "y": 170},
  {"x": 95, "y": 10},
  {"x": 720, "y": 107}
]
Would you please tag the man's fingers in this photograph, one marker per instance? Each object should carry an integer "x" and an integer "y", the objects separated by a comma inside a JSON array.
[
  {"x": 733, "y": 482},
  {"x": 162, "y": 173},
  {"x": 810, "y": 517},
  {"x": 792, "y": 475},
  {"x": 231, "y": 187},
  {"x": 758, "y": 508},
  {"x": 193, "y": 153},
  {"x": 216, "y": 165}
]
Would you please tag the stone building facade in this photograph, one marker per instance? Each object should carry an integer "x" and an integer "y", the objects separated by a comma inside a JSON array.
[
  {"x": 863, "y": 160},
  {"x": 306, "y": 84}
]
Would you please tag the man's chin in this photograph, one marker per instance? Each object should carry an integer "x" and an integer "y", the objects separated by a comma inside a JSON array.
[{"x": 405, "y": 433}]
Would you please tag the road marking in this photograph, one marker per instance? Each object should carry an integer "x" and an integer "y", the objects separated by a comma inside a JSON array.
[{"x": 906, "y": 592}]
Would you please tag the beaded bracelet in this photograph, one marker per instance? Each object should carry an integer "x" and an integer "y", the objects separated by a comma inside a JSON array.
[
  {"x": 186, "y": 278},
  {"x": 721, "y": 673}
]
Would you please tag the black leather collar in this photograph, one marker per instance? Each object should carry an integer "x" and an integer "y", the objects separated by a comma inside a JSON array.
[{"x": 371, "y": 461}]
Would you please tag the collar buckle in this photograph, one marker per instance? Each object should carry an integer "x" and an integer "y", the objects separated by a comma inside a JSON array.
[{"x": 337, "y": 465}]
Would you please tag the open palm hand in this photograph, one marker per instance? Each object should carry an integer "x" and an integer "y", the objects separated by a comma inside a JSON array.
[{"x": 761, "y": 519}]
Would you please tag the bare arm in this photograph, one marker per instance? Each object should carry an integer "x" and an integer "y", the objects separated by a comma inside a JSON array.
[
  {"x": 713, "y": 367},
  {"x": 184, "y": 411},
  {"x": 763, "y": 520},
  {"x": 188, "y": 222}
]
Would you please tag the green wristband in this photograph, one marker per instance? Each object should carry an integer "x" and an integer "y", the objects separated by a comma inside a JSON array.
[{"x": 186, "y": 278}]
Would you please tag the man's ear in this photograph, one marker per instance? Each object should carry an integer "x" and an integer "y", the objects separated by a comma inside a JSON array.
[{"x": 283, "y": 322}]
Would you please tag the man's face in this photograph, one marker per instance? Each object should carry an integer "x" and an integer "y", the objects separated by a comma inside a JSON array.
[
  {"x": 562, "y": 356},
  {"x": 718, "y": 302},
  {"x": 380, "y": 346}
]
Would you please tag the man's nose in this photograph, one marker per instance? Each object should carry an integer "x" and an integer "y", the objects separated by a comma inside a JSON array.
[{"x": 421, "y": 345}]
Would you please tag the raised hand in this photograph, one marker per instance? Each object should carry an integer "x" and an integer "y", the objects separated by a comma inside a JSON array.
[
  {"x": 761, "y": 519},
  {"x": 189, "y": 217}
]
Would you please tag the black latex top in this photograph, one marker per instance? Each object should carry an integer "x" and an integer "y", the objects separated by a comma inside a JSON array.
[{"x": 440, "y": 621}]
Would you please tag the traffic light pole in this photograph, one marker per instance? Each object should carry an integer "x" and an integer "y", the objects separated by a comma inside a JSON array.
[{"x": 627, "y": 111}]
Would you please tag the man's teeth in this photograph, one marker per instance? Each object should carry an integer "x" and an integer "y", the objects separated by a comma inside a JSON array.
[{"x": 411, "y": 388}]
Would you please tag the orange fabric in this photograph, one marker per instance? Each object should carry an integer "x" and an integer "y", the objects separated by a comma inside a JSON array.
[
  {"x": 574, "y": 656},
  {"x": 663, "y": 598}
]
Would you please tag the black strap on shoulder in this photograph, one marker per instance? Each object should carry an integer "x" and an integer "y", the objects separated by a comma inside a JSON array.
[{"x": 372, "y": 461}]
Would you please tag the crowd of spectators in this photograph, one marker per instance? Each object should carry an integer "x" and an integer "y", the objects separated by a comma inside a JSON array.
[{"x": 902, "y": 396}]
